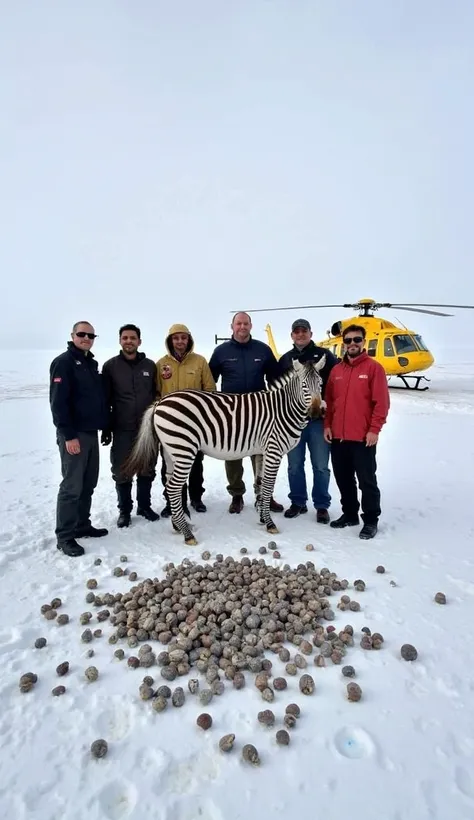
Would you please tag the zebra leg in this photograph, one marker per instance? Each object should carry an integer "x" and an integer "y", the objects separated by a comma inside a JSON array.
[
  {"x": 271, "y": 464},
  {"x": 258, "y": 482},
  {"x": 174, "y": 489}
]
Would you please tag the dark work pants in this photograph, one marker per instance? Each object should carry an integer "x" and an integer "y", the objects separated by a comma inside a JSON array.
[
  {"x": 122, "y": 443},
  {"x": 196, "y": 478},
  {"x": 80, "y": 475},
  {"x": 235, "y": 476},
  {"x": 351, "y": 459}
]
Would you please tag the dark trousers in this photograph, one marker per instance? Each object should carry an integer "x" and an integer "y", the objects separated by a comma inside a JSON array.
[
  {"x": 196, "y": 478},
  {"x": 235, "y": 476},
  {"x": 122, "y": 443},
  {"x": 80, "y": 475},
  {"x": 351, "y": 459}
]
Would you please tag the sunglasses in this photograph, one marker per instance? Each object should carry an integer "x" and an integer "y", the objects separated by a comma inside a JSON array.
[
  {"x": 82, "y": 335},
  {"x": 350, "y": 339}
]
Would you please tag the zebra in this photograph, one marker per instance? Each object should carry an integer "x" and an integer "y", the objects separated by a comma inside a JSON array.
[{"x": 266, "y": 423}]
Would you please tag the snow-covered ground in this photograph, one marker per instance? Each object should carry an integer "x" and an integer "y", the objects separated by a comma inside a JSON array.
[{"x": 404, "y": 752}]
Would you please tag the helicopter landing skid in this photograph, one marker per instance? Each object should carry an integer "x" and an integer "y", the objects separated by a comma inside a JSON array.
[{"x": 408, "y": 386}]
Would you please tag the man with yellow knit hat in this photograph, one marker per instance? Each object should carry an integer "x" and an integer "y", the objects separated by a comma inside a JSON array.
[{"x": 183, "y": 369}]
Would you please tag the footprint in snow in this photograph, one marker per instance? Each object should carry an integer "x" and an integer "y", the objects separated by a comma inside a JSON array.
[
  {"x": 202, "y": 809},
  {"x": 464, "y": 781},
  {"x": 117, "y": 800},
  {"x": 188, "y": 776},
  {"x": 115, "y": 722},
  {"x": 354, "y": 742}
]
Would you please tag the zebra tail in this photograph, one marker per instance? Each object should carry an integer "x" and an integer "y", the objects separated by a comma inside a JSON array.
[{"x": 145, "y": 448}]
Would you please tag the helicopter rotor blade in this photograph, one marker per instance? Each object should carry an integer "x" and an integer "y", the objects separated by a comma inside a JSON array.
[
  {"x": 425, "y": 304},
  {"x": 298, "y": 307},
  {"x": 420, "y": 310}
]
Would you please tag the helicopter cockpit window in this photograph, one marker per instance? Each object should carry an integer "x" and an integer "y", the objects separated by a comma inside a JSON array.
[
  {"x": 404, "y": 343},
  {"x": 388, "y": 347},
  {"x": 420, "y": 343},
  {"x": 372, "y": 347}
]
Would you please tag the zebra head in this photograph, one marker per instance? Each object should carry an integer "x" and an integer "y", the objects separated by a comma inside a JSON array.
[{"x": 311, "y": 385}]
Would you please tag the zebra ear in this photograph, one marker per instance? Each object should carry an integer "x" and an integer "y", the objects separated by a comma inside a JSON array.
[
  {"x": 297, "y": 366},
  {"x": 319, "y": 365}
]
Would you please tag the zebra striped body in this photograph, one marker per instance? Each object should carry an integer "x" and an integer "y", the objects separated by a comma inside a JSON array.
[{"x": 229, "y": 426}]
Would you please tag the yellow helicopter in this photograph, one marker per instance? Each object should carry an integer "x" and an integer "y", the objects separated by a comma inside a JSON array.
[{"x": 401, "y": 352}]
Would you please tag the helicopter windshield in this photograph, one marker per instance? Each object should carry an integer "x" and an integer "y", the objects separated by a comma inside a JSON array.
[
  {"x": 420, "y": 343},
  {"x": 405, "y": 343}
]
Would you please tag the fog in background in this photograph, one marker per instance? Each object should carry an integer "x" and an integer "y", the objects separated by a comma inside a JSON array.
[{"x": 173, "y": 161}]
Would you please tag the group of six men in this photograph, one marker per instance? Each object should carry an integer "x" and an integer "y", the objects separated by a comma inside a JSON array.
[{"x": 83, "y": 401}]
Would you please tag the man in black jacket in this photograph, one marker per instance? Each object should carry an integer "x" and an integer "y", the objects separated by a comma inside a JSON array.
[
  {"x": 130, "y": 387},
  {"x": 243, "y": 364},
  {"x": 312, "y": 437},
  {"x": 79, "y": 410}
]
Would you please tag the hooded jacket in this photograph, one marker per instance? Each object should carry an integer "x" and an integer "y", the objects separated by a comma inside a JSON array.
[
  {"x": 357, "y": 398},
  {"x": 130, "y": 387},
  {"x": 189, "y": 373}
]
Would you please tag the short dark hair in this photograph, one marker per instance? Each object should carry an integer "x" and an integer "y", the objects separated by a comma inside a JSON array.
[
  {"x": 130, "y": 327},
  {"x": 76, "y": 325},
  {"x": 354, "y": 329}
]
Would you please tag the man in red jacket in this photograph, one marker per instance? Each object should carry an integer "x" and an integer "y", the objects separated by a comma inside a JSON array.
[{"x": 358, "y": 402}]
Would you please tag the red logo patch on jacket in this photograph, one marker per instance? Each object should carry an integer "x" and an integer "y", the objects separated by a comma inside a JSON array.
[
  {"x": 166, "y": 372},
  {"x": 57, "y": 379}
]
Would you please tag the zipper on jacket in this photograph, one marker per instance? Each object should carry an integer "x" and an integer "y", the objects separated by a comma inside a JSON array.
[{"x": 345, "y": 404}]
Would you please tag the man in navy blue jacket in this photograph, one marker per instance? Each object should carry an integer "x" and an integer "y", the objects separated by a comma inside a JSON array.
[
  {"x": 243, "y": 364},
  {"x": 79, "y": 410},
  {"x": 305, "y": 350}
]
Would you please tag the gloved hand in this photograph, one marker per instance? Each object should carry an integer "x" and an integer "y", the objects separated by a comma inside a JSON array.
[{"x": 106, "y": 437}]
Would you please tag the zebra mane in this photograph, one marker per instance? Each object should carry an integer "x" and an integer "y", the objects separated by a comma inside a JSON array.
[{"x": 287, "y": 376}]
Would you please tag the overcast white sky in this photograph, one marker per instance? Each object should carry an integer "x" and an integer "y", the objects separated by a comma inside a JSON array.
[{"x": 172, "y": 161}]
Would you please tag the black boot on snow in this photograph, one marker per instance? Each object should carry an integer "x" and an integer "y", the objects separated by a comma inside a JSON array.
[
  {"x": 125, "y": 503},
  {"x": 70, "y": 547},
  {"x": 368, "y": 531},
  {"x": 345, "y": 521},
  {"x": 124, "y": 520},
  {"x": 148, "y": 513},
  {"x": 166, "y": 511}
]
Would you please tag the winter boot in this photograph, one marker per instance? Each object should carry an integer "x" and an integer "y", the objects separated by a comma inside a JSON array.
[
  {"x": 294, "y": 510},
  {"x": 70, "y": 547},
  {"x": 91, "y": 532},
  {"x": 368, "y": 531},
  {"x": 125, "y": 503},
  {"x": 345, "y": 521},
  {"x": 322, "y": 516},
  {"x": 237, "y": 504},
  {"x": 144, "y": 498},
  {"x": 199, "y": 506}
]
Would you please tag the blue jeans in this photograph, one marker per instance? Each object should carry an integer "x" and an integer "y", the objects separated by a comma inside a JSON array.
[{"x": 312, "y": 438}]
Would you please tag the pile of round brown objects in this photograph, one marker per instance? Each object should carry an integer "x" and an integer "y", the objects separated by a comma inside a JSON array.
[{"x": 222, "y": 618}]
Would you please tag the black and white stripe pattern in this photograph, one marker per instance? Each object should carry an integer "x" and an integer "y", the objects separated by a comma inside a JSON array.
[{"x": 229, "y": 426}]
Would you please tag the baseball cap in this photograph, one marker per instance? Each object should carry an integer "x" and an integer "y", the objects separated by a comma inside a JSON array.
[{"x": 301, "y": 323}]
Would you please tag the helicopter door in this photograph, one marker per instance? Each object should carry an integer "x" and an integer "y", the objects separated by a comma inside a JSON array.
[
  {"x": 372, "y": 347},
  {"x": 388, "y": 347}
]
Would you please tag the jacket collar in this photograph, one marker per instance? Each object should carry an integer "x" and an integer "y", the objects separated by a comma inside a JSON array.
[
  {"x": 241, "y": 344},
  {"x": 138, "y": 358},
  {"x": 357, "y": 361},
  {"x": 79, "y": 354}
]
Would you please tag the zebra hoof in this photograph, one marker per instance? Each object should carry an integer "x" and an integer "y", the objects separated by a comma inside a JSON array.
[
  {"x": 190, "y": 542},
  {"x": 272, "y": 529}
]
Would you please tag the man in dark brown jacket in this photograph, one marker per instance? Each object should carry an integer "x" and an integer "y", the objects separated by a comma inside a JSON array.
[{"x": 130, "y": 386}]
